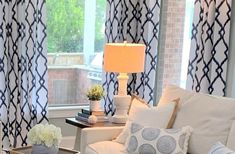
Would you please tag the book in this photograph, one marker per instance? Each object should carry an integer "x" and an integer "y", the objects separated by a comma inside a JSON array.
[
  {"x": 85, "y": 118},
  {"x": 83, "y": 115},
  {"x": 77, "y": 117},
  {"x": 96, "y": 113}
]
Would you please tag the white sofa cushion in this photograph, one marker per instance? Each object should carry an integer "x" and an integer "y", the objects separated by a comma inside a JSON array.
[
  {"x": 151, "y": 140},
  {"x": 211, "y": 117},
  {"x": 105, "y": 147},
  {"x": 172, "y": 92},
  {"x": 231, "y": 137},
  {"x": 219, "y": 148},
  {"x": 153, "y": 117}
]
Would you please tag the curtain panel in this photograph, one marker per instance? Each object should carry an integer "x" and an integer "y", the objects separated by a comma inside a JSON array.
[
  {"x": 136, "y": 21},
  {"x": 209, "y": 47},
  {"x": 23, "y": 69}
]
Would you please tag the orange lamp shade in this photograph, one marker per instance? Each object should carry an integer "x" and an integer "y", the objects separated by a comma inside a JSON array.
[{"x": 124, "y": 57}]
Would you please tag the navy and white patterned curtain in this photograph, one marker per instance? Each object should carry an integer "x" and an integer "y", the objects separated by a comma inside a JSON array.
[
  {"x": 23, "y": 69},
  {"x": 209, "y": 47},
  {"x": 136, "y": 21}
]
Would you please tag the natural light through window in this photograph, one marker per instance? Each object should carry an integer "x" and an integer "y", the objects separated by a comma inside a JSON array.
[
  {"x": 75, "y": 31},
  {"x": 187, "y": 40}
]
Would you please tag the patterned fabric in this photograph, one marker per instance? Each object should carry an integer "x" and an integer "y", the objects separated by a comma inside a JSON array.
[
  {"x": 136, "y": 21},
  {"x": 23, "y": 69},
  {"x": 219, "y": 148},
  {"x": 163, "y": 117},
  {"x": 154, "y": 140},
  {"x": 209, "y": 47}
]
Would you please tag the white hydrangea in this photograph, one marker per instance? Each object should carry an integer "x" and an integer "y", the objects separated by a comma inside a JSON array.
[{"x": 48, "y": 135}]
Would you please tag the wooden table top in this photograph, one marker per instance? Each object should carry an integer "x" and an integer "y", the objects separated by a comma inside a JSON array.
[{"x": 83, "y": 124}]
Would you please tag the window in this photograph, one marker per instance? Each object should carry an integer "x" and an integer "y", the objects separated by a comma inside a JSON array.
[
  {"x": 189, "y": 11},
  {"x": 75, "y": 30}
]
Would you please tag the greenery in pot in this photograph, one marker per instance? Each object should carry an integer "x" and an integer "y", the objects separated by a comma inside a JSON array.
[{"x": 95, "y": 93}]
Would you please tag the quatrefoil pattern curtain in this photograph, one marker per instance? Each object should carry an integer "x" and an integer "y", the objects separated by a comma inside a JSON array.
[
  {"x": 136, "y": 21},
  {"x": 23, "y": 69},
  {"x": 209, "y": 47}
]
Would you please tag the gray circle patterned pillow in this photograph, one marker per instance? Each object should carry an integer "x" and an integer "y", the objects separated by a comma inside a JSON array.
[{"x": 148, "y": 140}]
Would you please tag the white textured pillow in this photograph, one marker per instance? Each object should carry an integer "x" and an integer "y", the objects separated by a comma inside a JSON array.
[
  {"x": 153, "y": 117},
  {"x": 219, "y": 148},
  {"x": 136, "y": 102},
  {"x": 172, "y": 92},
  {"x": 211, "y": 119},
  {"x": 152, "y": 140}
]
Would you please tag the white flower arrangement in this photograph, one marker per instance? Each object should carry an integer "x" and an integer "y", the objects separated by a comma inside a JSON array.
[{"x": 48, "y": 135}]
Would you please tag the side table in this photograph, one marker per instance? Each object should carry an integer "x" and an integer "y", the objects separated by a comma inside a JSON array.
[{"x": 81, "y": 124}]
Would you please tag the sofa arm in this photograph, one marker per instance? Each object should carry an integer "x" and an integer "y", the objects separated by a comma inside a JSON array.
[{"x": 96, "y": 134}]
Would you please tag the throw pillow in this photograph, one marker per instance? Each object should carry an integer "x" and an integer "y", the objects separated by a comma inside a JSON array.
[
  {"x": 210, "y": 116},
  {"x": 137, "y": 102},
  {"x": 153, "y": 140},
  {"x": 171, "y": 92},
  {"x": 219, "y": 148},
  {"x": 153, "y": 117}
]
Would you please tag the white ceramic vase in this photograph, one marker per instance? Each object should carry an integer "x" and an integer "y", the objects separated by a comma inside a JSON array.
[
  {"x": 95, "y": 105},
  {"x": 42, "y": 149}
]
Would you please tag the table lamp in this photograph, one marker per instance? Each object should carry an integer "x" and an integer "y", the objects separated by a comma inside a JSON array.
[{"x": 123, "y": 58}]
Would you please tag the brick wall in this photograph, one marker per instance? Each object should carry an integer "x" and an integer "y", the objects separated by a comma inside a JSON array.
[{"x": 171, "y": 43}]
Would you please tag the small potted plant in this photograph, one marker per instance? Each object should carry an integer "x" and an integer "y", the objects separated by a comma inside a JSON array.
[
  {"x": 45, "y": 139},
  {"x": 95, "y": 94}
]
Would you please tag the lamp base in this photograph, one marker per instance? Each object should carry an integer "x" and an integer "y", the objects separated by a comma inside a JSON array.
[{"x": 122, "y": 104}]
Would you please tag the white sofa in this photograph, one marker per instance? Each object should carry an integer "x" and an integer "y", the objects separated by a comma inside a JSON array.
[{"x": 211, "y": 117}]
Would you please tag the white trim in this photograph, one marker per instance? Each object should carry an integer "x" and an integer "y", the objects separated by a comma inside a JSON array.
[{"x": 64, "y": 111}]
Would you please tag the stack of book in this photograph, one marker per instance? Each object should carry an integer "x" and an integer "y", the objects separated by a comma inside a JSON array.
[{"x": 85, "y": 114}]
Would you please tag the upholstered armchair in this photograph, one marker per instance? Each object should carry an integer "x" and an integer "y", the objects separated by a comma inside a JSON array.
[
  {"x": 92, "y": 135},
  {"x": 211, "y": 118}
]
